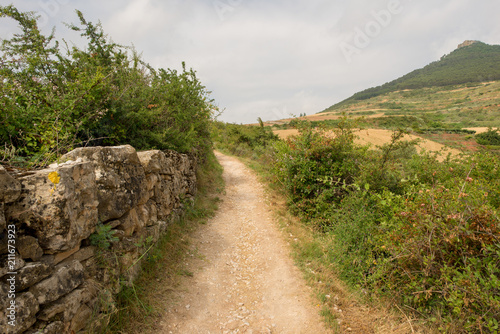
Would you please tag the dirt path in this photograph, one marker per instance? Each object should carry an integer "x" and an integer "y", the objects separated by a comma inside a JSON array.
[{"x": 243, "y": 280}]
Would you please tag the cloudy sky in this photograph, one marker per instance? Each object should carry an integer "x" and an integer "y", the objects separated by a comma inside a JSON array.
[{"x": 276, "y": 58}]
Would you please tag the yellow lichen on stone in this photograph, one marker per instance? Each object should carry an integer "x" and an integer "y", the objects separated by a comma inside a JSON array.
[{"x": 54, "y": 177}]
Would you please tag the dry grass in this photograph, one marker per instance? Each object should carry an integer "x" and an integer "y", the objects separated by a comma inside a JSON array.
[
  {"x": 378, "y": 137},
  {"x": 283, "y": 134},
  {"x": 478, "y": 129}
]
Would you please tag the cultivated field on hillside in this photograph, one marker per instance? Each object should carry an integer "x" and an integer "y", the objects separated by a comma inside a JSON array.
[
  {"x": 378, "y": 137},
  {"x": 431, "y": 114}
]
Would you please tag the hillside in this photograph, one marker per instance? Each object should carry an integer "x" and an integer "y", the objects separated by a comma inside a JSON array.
[
  {"x": 472, "y": 62},
  {"x": 459, "y": 106},
  {"x": 438, "y": 114}
]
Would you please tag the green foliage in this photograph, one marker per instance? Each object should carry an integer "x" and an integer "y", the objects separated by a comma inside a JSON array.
[
  {"x": 103, "y": 237},
  {"x": 54, "y": 100},
  {"x": 317, "y": 167},
  {"x": 407, "y": 227},
  {"x": 490, "y": 137},
  {"x": 353, "y": 227},
  {"x": 242, "y": 140},
  {"x": 444, "y": 130},
  {"x": 440, "y": 253}
]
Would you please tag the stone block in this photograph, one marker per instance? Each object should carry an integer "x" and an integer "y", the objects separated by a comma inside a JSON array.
[
  {"x": 3, "y": 222},
  {"x": 163, "y": 191},
  {"x": 18, "y": 263},
  {"x": 10, "y": 188},
  {"x": 31, "y": 274},
  {"x": 175, "y": 162},
  {"x": 28, "y": 248},
  {"x": 153, "y": 213},
  {"x": 129, "y": 222},
  {"x": 62, "y": 214},
  {"x": 56, "y": 327},
  {"x": 152, "y": 161},
  {"x": 119, "y": 176},
  {"x": 83, "y": 254},
  {"x": 81, "y": 318},
  {"x": 4, "y": 248},
  {"x": 151, "y": 182},
  {"x": 63, "y": 309},
  {"x": 62, "y": 282},
  {"x": 25, "y": 308},
  {"x": 59, "y": 257},
  {"x": 90, "y": 289},
  {"x": 4, "y": 291},
  {"x": 143, "y": 215}
]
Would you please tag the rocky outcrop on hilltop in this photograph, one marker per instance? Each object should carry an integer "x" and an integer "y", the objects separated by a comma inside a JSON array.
[{"x": 466, "y": 43}]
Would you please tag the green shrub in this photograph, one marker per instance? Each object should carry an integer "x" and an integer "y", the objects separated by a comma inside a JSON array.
[
  {"x": 103, "y": 237},
  {"x": 422, "y": 232},
  {"x": 353, "y": 227},
  {"x": 442, "y": 256},
  {"x": 242, "y": 140},
  {"x": 54, "y": 100},
  {"x": 317, "y": 168},
  {"x": 452, "y": 131},
  {"x": 490, "y": 137}
]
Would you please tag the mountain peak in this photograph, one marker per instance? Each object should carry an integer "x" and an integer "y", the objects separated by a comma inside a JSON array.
[
  {"x": 466, "y": 43},
  {"x": 472, "y": 62}
]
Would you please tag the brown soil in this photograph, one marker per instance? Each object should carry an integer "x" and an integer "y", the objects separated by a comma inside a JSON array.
[
  {"x": 241, "y": 277},
  {"x": 455, "y": 140}
]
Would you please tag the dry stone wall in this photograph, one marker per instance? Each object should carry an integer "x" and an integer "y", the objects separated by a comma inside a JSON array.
[{"x": 53, "y": 277}]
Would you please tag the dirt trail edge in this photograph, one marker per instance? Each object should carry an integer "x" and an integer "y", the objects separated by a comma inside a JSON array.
[{"x": 243, "y": 279}]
